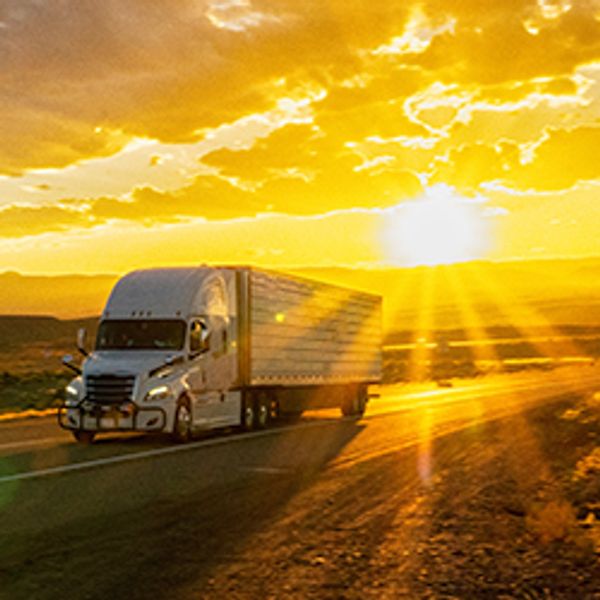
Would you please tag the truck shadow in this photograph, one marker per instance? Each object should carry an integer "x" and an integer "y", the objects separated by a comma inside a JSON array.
[{"x": 147, "y": 529}]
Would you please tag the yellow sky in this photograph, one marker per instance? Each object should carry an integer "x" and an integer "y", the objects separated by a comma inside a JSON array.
[{"x": 288, "y": 132}]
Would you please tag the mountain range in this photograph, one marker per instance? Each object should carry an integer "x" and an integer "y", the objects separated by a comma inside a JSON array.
[{"x": 526, "y": 293}]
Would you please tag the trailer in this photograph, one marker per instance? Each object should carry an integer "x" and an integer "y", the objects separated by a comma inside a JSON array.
[{"x": 188, "y": 349}]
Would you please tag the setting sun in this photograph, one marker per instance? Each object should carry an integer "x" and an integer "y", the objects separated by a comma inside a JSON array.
[{"x": 438, "y": 229}]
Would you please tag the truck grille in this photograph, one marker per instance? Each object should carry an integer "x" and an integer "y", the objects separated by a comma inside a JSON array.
[{"x": 109, "y": 389}]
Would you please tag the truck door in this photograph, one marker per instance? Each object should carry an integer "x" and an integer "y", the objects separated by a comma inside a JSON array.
[
  {"x": 205, "y": 405},
  {"x": 221, "y": 370},
  {"x": 213, "y": 372}
]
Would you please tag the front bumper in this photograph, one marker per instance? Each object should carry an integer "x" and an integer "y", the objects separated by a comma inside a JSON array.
[{"x": 97, "y": 417}]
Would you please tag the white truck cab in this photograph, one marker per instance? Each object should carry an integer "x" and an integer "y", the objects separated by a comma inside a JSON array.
[{"x": 164, "y": 357}]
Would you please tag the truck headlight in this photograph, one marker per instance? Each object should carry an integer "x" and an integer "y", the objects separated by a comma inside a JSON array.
[
  {"x": 162, "y": 392},
  {"x": 71, "y": 396}
]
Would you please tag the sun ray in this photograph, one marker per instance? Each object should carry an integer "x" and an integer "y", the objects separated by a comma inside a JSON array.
[
  {"x": 473, "y": 323},
  {"x": 525, "y": 319},
  {"x": 395, "y": 317},
  {"x": 421, "y": 352}
]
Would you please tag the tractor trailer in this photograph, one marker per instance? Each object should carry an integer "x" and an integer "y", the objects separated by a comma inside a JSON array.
[{"x": 180, "y": 350}]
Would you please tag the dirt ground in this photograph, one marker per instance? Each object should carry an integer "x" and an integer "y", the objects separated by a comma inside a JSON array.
[{"x": 508, "y": 509}]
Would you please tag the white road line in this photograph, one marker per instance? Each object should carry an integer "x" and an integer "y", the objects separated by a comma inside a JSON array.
[{"x": 123, "y": 458}]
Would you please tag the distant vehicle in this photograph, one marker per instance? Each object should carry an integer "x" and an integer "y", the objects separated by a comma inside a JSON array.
[{"x": 186, "y": 349}]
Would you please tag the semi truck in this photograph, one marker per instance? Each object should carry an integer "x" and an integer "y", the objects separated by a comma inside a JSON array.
[{"x": 181, "y": 350}]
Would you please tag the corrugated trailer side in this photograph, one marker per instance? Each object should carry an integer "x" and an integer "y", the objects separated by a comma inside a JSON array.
[{"x": 308, "y": 333}]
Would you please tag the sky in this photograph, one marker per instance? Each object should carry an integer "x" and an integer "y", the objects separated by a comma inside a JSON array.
[{"x": 297, "y": 133}]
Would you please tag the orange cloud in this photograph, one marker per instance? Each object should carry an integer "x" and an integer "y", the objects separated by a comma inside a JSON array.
[
  {"x": 207, "y": 197},
  {"x": 301, "y": 170},
  {"x": 565, "y": 158},
  {"x": 461, "y": 92},
  {"x": 79, "y": 80},
  {"x": 286, "y": 148},
  {"x": 560, "y": 160},
  {"x": 21, "y": 221},
  {"x": 468, "y": 166},
  {"x": 72, "y": 68},
  {"x": 491, "y": 42}
]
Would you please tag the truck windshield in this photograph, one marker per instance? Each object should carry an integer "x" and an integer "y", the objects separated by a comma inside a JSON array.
[{"x": 155, "y": 334}]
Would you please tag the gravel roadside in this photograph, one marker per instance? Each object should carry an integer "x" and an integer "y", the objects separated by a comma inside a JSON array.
[{"x": 505, "y": 509}]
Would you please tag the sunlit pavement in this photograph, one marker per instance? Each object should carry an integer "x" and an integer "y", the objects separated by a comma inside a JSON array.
[
  {"x": 459, "y": 404},
  {"x": 128, "y": 500}
]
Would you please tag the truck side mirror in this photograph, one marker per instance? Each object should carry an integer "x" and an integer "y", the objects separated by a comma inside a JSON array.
[
  {"x": 67, "y": 360},
  {"x": 81, "y": 341}
]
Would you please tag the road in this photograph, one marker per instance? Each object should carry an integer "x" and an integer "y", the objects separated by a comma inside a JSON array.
[{"x": 326, "y": 507}]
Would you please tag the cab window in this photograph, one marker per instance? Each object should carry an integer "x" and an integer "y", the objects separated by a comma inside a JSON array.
[{"x": 199, "y": 336}]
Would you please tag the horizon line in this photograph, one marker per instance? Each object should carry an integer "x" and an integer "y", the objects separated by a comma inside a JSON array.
[{"x": 345, "y": 266}]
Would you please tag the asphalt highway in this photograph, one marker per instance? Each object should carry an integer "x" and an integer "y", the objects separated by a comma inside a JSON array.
[{"x": 137, "y": 516}]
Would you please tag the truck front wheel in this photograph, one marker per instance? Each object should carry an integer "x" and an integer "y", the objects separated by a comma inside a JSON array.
[{"x": 182, "y": 427}]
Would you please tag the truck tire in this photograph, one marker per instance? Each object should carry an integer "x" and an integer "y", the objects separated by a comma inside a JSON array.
[
  {"x": 349, "y": 401},
  {"x": 248, "y": 420},
  {"x": 361, "y": 400},
  {"x": 84, "y": 437},
  {"x": 355, "y": 401},
  {"x": 263, "y": 410},
  {"x": 182, "y": 427},
  {"x": 348, "y": 407}
]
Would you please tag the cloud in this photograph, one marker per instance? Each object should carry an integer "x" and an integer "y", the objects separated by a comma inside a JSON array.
[
  {"x": 208, "y": 197},
  {"x": 217, "y": 198},
  {"x": 452, "y": 89},
  {"x": 492, "y": 44},
  {"x": 159, "y": 69},
  {"x": 22, "y": 221},
  {"x": 286, "y": 148},
  {"x": 563, "y": 159},
  {"x": 302, "y": 170},
  {"x": 377, "y": 110},
  {"x": 558, "y": 161},
  {"x": 470, "y": 165},
  {"x": 72, "y": 70}
]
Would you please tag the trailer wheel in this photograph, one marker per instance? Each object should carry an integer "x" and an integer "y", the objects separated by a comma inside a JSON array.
[
  {"x": 349, "y": 401},
  {"x": 362, "y": 398},
  {"x": 355, "y": 401},
  {"x": 84, "y": 437},
  {"x": 348, "y": 407},
  {"x": 263, "y": 410},
  {"x": 248, "y": 414},
  {"x": 182, "y": 427}
]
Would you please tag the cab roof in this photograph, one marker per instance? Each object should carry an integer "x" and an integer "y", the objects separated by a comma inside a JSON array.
[{"x": 161, "y": 293}]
